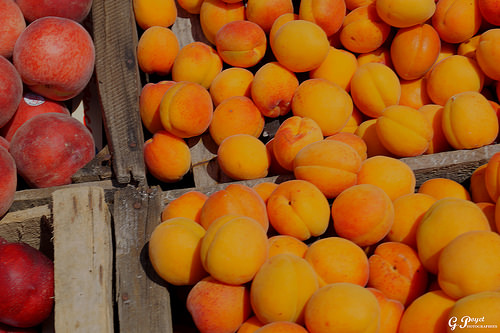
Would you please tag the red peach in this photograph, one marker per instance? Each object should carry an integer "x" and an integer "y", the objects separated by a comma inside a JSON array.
[
  {"x": 74, "y": 10},
  {"x": 11, "y": 90},
  {"x": 12, "y": 23},
  {"x": 8, "y": 180}
]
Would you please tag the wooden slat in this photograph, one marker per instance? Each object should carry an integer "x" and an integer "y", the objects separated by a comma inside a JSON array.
[
  {"x": 116, "y": 70},
  {"x": 83, "y": 261},
  {"x": 142, "y": 297}
]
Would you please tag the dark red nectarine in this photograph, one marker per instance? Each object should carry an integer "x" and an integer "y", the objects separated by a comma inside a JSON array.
[
  {"x": 75, "y": 10},
  {"x": 11, "y": 90},
  {"x": 12, "y": 23}
]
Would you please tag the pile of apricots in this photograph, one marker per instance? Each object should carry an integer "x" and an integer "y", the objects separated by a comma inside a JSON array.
[{"x": 350, "y": 244}]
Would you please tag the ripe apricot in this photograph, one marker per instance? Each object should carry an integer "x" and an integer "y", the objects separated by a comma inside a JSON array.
[
  {"x": 374, "y": 86},
  {"x": 491, "y": 177},
  {"x": 300, "y": 45},
  {"x": 487, "y": 52},
  {"x": 241, "y": 43},
  {"x": 149, "y": 104},
  {"x": 391, "y": 311},
  {"x": 477, "y": 185},
  {"x": 272, "y": 89},
  {"x": 469, "y": 121},
  {"x": 456, "y": 20},
  {"x": 354, "y": 121},
  {"x": 381, "y": 55},
  {"x": 279, "y": 21},
  {"x": 392, "y": 175},
  {"x": 281, "y": 289},
  {"x": 233, "y": 305},
  {"x": 469, "y": 312},
  {"x": 328, "y": 14},
  {"x": 264, "y": 13},
  {"x": 282, "y": 327},
  {"x": 167, "y": 156},
  {"x": 342, "y": 307},
  {"x": 236, "y": 115},
  {"x": 338, "y": 67},
  {"x": 157, "y": 49},
  {"x": 250, "y": 325},
  {"x": 331, "y": 165},
  {"x": 489, "y": 209},
  {"x": 404, "y": 13},
  {"x": 353, "y": 140},
  {"x": 337, "y": 259},
  {"x": 468, "y": 48},
  {"x": 286, "y": 244},
  {"x": 148, "y": 13},
  {"x": 367, "y": 130},
  {"x": 197, "y": 62},
  {"x": 215, "y": 13},
  {"x": 292, "y": 135},
  {"x": 232, "y": 81},
  {"x": 298, "y": 208},
  {"x": 191, "y": 6},
  {"x": 243, "y": 157},
  {"x": 490, "y": 11},
  {"x": 233, "y": 249},
  {"x": 414, "y": 93},
  {"x": 180, "y": 116},
  {"x": 187, "y": 205},
  {"x": 265, "y": 189},
  {"x": 443, "y": 187},
  {"x": 446, "y": 219},
  {"x": 363, "y": 213},
  {"x": 434, "y": 114},
  {"x": 353, "y": 4},
  {"x": 478, "y": 249}
]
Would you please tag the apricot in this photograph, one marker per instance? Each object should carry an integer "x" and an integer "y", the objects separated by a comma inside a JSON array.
[
  {"x": 338, "y": 67},
  {"x": 286, "y": 244},
  {"x": 414, "y": 50},
  {"x": 197, "y": 62},
  {"x": 491, "y": 177},
  {"x": 215, "y": 13},
  {"x": 298, "y": 208},
  {"x": 282, "y": 327},
  {"x": 13, "y": 23},
  {"x": 363, "y": 30},
  {"x": 272, "y": 89},
  {"x": 434, "y": 114},
  {"x": 149, "y": 104},
  {"x": 241, "y": 43},
  {"x": 236, "y": 115},
  {"x": 325, "y": 102},
  {"x": 404, "y": 13},
  {"x": 331, "y": 165},
  {"x": 342, "y": 307},
  {"x": 354, "y": 121},
  {"x": 292, "y": 135},
  {"x": 428, "y": 313},
  {"x": 392, "y": 175},
  {"x": 381, "y": 55},
  {"x": 281, "y": 289},
  {"x": 174, "y": 251},
  {"x": 414, "y": 93},
  {"x": 328, "y": 14},
  {"x": 452, "y": 75},
  {"x": 236, "y": 199},
  {"x": 374, "y": 86},
  {"x": 408, "y": 212},
  {"x": 337, "y": 259},
  {"x": 148, "y": 13},
  {"x": 477, "y": 185},
  {"x": 274, "y": 168},
  {"x": 353, "y": 4},
  {"x": 233, "y": 305},
  {"x": 479, "y": 250},
  {"x": 474, "y": 312},
  {"x": 468, "y": 48},
  {"x": 489, "y": 209},
  {"x": 367, "y": 130},
  {"x": 487, "y": 51},
  {"x": 469, "y": 121},
  {"x": 443, "y": 187},
  {"x": 187, "y": 205},
  {"x": 180, "y": 116},
  {"x": 167, "y": 156},
  {"x": 264, "y": 189},
  {"x": 391, "y": 311},
  {"x": 156, "y": 50},
  {"x": 243, "y": 157},
  {"x": 233, "y": 249},
  {"x": 446, "y": 219},
  {"x": 363, "y": 213},
  {"x": 403, "y": 130},
  {"x": 490, "y": 11},
  {"x": 353, "y": 140},
  {"x": 279, "y": 21},
  {"x": 456, "y": 20},
  {"x": 232, "y": 81},
  {"x": 264, "y": 13},
  {"x": 250, "y": 325},
  {"x": 191, "y": 6}
]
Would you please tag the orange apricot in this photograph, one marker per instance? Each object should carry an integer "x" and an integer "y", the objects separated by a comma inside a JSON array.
[
  {"x": 300, "y": 45},
  {"x": 456, "y": 20},
  {"x": 443, "y": 187},
  {"x": 374, "y": 86},
  {"x": 167, "y": 157},
  {"x": 286, "y": 244},
  {"x": 197, "y": 62},
  {"x": 491, "y": 177},
  {"x": 298, "y": 208},
  {"x": 279, "y": 21},
  {"x": 148, "y": 13},
  {"x": 274, "y": 168},
  {"x": 180, "y": 116},
  {"x": 157, "y": 49},
  {"x": 391, "y": 311},
  {"x": 264, "y": 13},
  {"x": 468, "y": 48},
  {"x": 236, "y": 115},
  {"x": 328, "y": 14},
  {"x": 250, "y": 325},
  {"x": 149, "y": 104},
  {"x": 338, "y": 67},
  {"x": 405, "y": 13},
  {"x": 233, "y": 305},
  {"x": 272, "y": 89},
  {"x": 215, "y": 13},
  {"x": 434, "y": 114},
  {"x": 477, "y": 185},
  {"x": 354, "y": 121},
  {"x": 264, "y": 189},
  {"x": 353, "y": 4},
  {"x": 282, "y": 327},
  {"x": 353, "y": 140},
  {"x": 187, "y": 205},
  {"x": 476, "y": 311},
  {"x": 489, "y": 209},
  {"x": 331, "y": 165},
  {"x": 235, "y": 199},
  {"x": 487, "y": 52},
  {"x": 367, "y": 130},
  {"x": 232, "y": 81},
  {"x": 191, "y": 6},
  {"x": 469, "y": 121},
  {"x": 414, "y": 93},
  {"x": 363, "y": 213},
  {"x": 325, "y": 102},
  {"x": 337, "y": 259},
  {"x": 490, "y": 11},
  {"x": 243, "y": 157},
  {"x": 381, "y": 55},
  {"x": 241, "y": 43}
]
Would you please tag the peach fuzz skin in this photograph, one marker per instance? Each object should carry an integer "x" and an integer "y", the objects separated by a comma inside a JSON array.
[
  {"x": 286, "y": 244},
  {"x": 264, "y": 13},
  {"x": 149, "y": 104},
  {"x": 232, "y": 81},
  {"x": 215, "y": 13},
  {"x": 156, "y": 50},
  {"x": 328, "y": 14},
  {"x": 13, "y": 23},
  {"x": 148, "y": 13},
  {"x": 187, "y": 205}
]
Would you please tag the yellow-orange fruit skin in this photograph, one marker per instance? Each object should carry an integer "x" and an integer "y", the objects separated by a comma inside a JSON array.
[
  {"x": 148, "y": 13},
  {"x": 215, "y": 13},
  {"x": 478, "y": 307},
  {"x": 156, "y": 50},
  {"x": 456, "y": 20},
  {"x": 405, "y": 13},
  {"x": 487, "y": 52},
  {"x": 328, "y": 14}
]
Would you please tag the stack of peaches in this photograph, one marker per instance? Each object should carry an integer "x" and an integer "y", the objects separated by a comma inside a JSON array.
[
  {"x": 46, "y": 59},
  {"x": 349, "y": 244}
]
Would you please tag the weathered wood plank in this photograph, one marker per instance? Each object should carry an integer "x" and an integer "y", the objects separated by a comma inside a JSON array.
[
  {"x": 83, "y": 261},
  {"x": 142, "y": 297}
]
